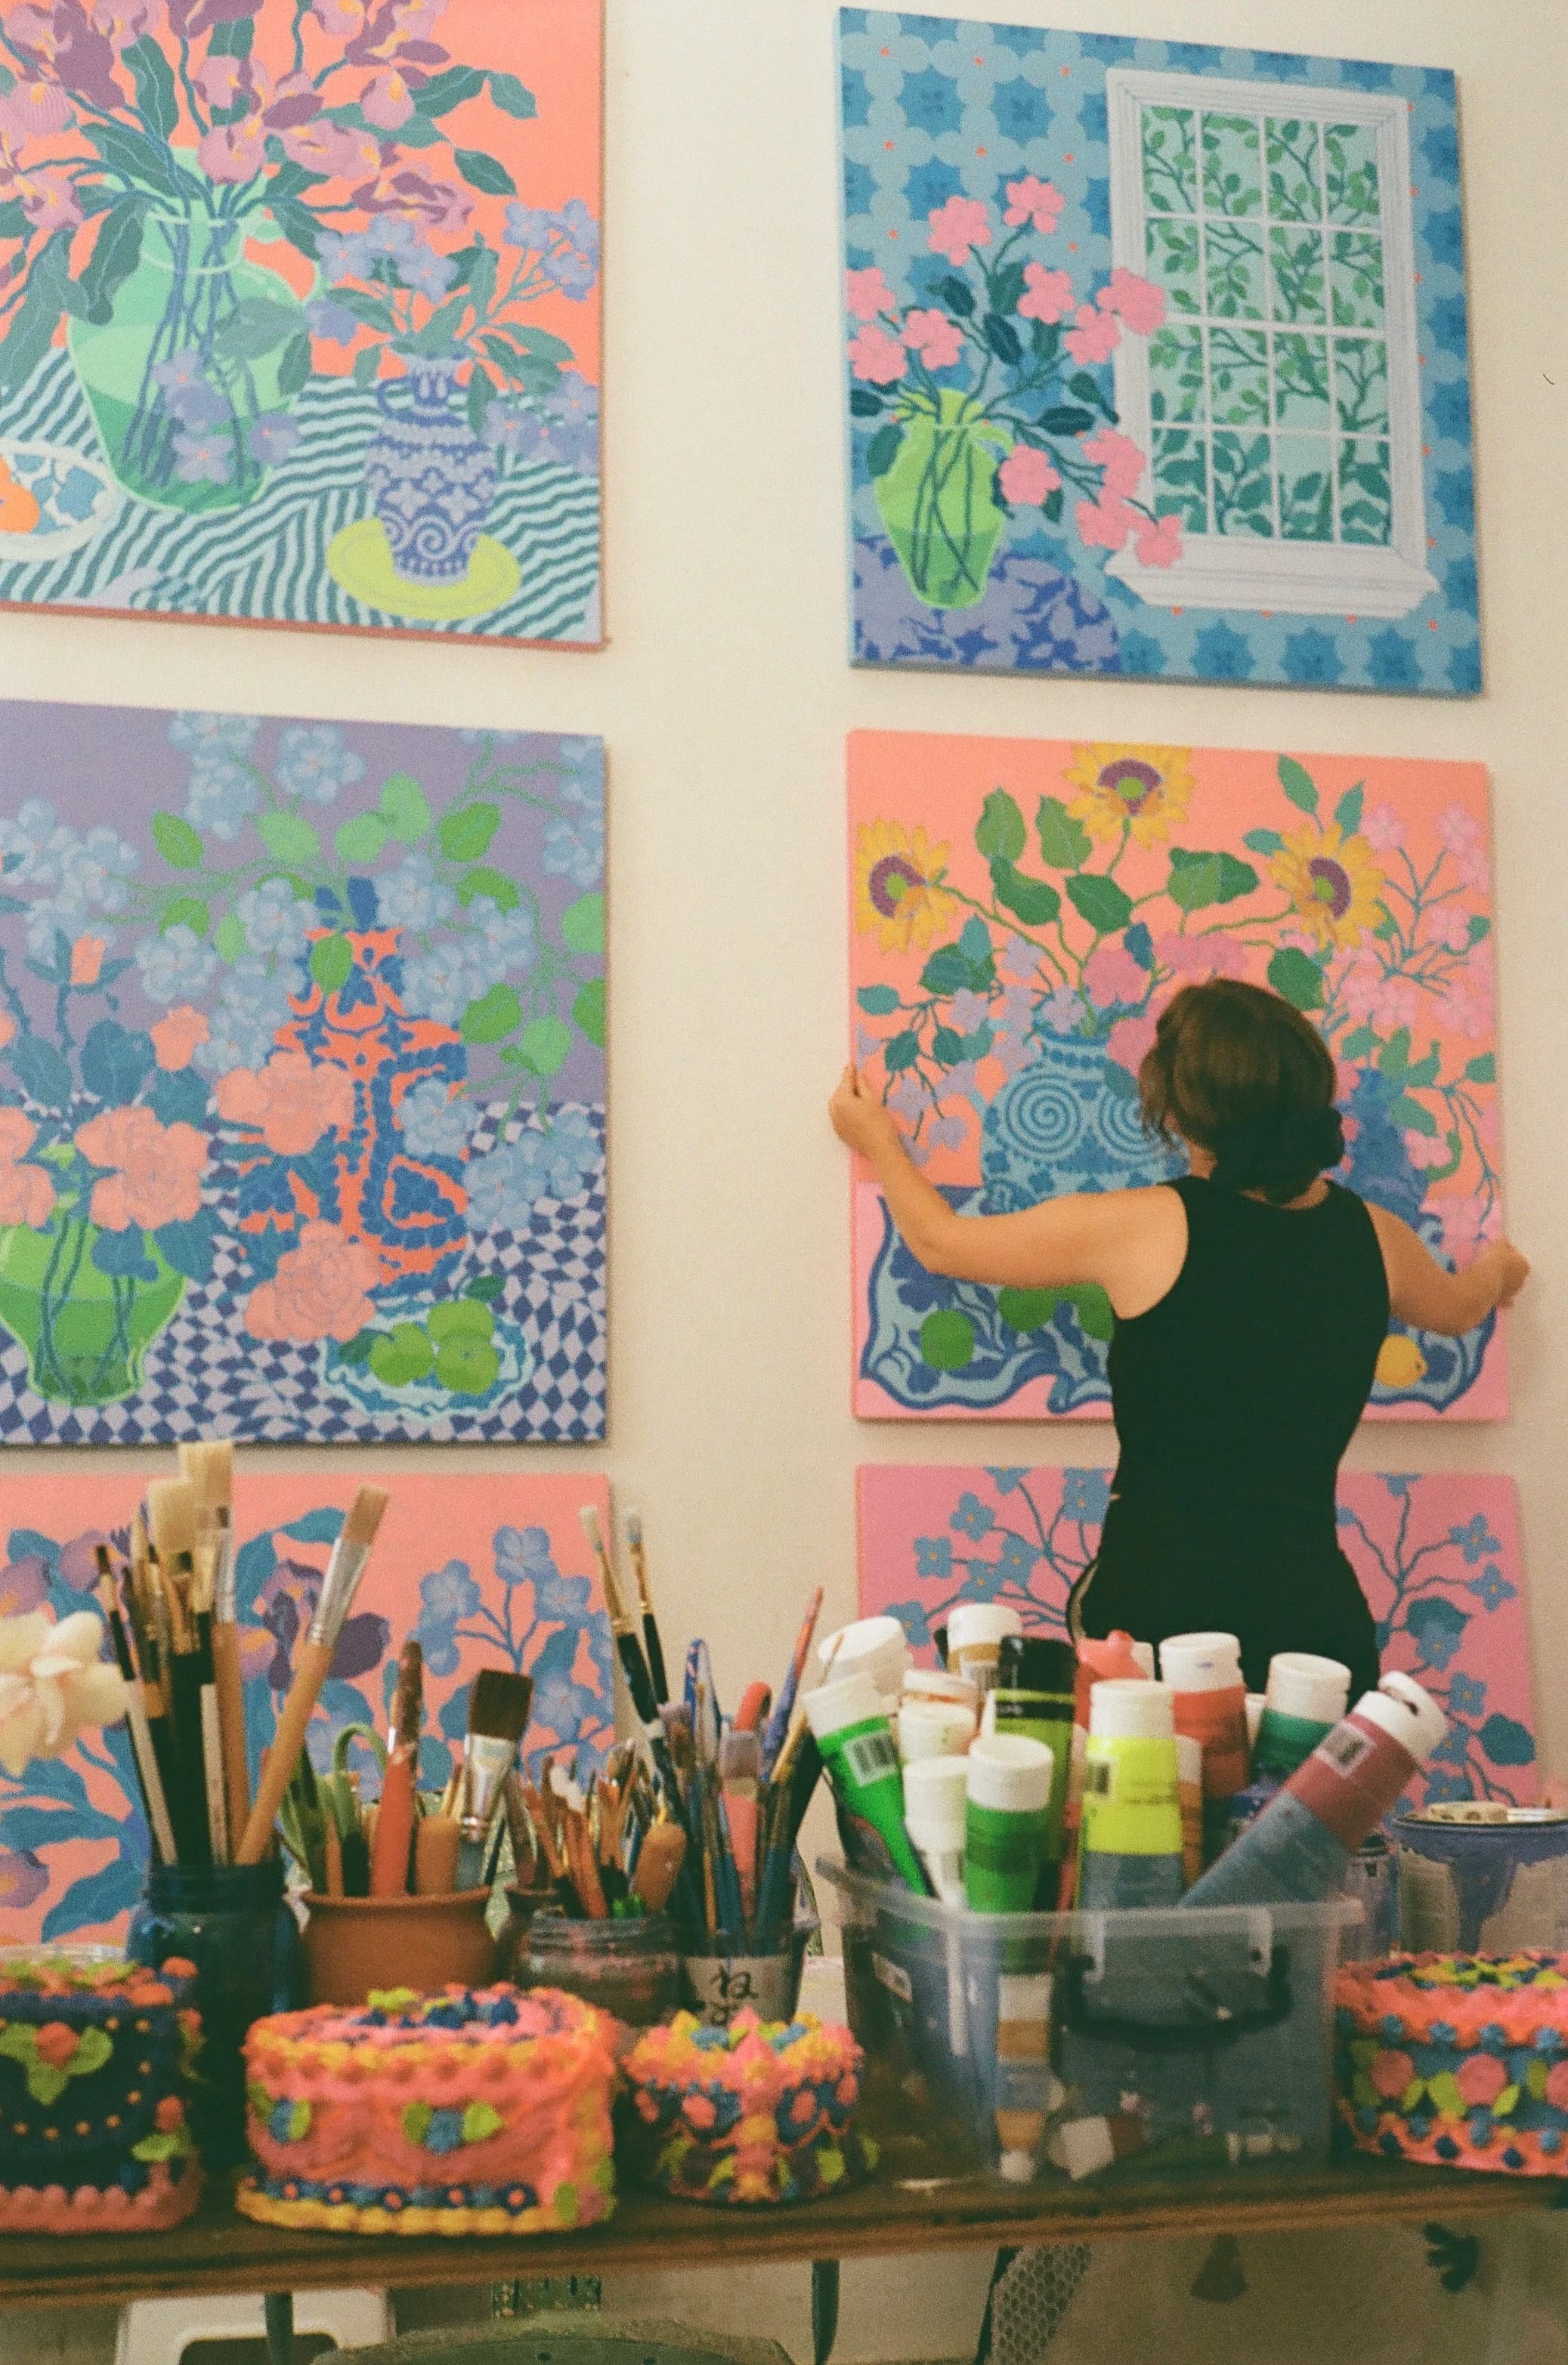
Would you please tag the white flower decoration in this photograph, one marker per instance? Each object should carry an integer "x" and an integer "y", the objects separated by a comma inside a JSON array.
[{"x": 53, "y": 1685}]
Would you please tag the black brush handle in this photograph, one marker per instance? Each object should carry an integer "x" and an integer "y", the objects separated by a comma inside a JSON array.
[
  {"x": 655, "y": 1658},
  {"x": 190, "y": 1814}
]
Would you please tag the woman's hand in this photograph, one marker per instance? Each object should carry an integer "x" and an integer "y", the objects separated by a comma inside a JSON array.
[{"x": 859, "y": 1119}]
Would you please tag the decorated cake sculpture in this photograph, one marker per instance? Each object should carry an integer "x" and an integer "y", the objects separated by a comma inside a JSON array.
[
  {"x": 476, "y": 2111},
  {"x": 760, "y": 2110},
  {"x": 1459, "y": 2061},
  {"x": 97, "y": 2057}
]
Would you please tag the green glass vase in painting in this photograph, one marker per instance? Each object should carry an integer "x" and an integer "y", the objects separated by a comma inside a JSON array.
[
  {"x": 201, "y": 349},
  {"x": 85, "y": 1331},
  {"x": 937, "y": 501}
]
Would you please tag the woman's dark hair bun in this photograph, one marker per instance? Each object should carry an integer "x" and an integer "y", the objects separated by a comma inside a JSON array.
[{"x": 1280, "y": 1155}]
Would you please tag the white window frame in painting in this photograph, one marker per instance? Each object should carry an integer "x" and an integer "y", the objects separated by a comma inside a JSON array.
[{"x": 1291, "y": 578}]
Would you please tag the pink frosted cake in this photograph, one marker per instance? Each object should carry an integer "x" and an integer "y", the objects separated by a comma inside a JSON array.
[
  {"x": 760, "y": 2110},
  {"x": 97, "y": 2057},
  {"x": 1460, "y": 2061},
  {"x": 478, "y": 2111}
]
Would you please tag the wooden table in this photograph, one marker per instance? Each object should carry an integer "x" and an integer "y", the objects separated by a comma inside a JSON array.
[{"x": 908, "y": 2209}]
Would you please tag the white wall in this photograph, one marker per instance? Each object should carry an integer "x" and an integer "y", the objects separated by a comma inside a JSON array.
[{"x": 725, "y": 697}]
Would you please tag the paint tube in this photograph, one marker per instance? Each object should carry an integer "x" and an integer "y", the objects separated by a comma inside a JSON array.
[
  {"x": 877, "y": 1647},
  {"x": 1009, "y": 1797},
  {"x": 1036, "y": 1681},
  {"x": 1087, "y": 2146},
  {"x": 1299, "y": 1848},
  {"x": 934, "y": 1797},
  {"x": 1103, "y": 1661},
  {"x": 976, "y": 1631},
  {"x": 1204, "y": 1672},
  {"x": 850, "y": 1727},
  {"x": 1130, "y": 1837},
  {"x": 1190, "y": 1799},
  {"x": 1305, "y": 1699},
  {"x": 934, "y": 1729},
  {"x": 1027, "y": 2091}
]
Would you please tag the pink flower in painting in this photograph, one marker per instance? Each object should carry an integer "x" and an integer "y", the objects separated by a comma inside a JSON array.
[
  {"x": 1094, "y": 337},
  {"x": 340, "y": 18},
  {"x": 1117, "y": 457},
  {"x": 177, "y": 1034},
  {"x": 1138, "y": 303},
  {"x": 221, "y": 81},
  {"x": 1047, "y": 294},
  {"x": 1158, "y": 541},
  {"x": 1480, "y": 2078},
  {"x": 49, "y": 200},
  {"x": 320, "y": 1290},
  {"x": 959, "y": 226},
  {"x": 1426, "y": 1150},
  {"x": 33, "y": 108},
  {"x": 1111, "y": 975},
  {"x": 154, "y": 1173},
  {"x": 27, "y": 1194},
  {"x": 1026, "y": 477},
  {"x": 874, "y": 355},
  {"x": 1461, "y": 833},
  {"x": 1384, "y": 830},
  {"x": 385, "y": 100},
  {"x": 1391, "y": 2073},
  {"x": 1105, "y": 524},
  {"x": 1450, "y": 927},
  {"x": 1131, "y": 1040},
  {"x": 124, "y": 21},
  {"x": 87, "y": 959},
  {"x": 1194, "y": 957},
  {"x": 867, "y": 294},
  {"x": 1030, "y": 200},
  {"x": 322, "y": 146},
  {"x": 291, "y": 1101},
  {"x": 234, "y": 151},
  {"x": 938, "y": 341},
  {"x": 1468, "y": 1002},
  {"x": 443, "y": 210}
]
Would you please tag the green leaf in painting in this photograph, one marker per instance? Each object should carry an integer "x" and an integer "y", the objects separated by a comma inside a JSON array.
[
  {"x": 947, "y": 1339},
  {"x": 1000, "y": 830},
  {"x": 486, "y": 172},
  {"x": 404, "y": 808},
  {"x": 503, "y": 892},
  {"x": 1033, "y": 901},
  {"x": 587, "y": 1009},
  {"x": 1394, "y": 1057},
  {"x": 1482, "y": 1070},
  {"x": 298, "y": 223},
  {"x": 582, "y": 924},
  {"x": 1197, "y": 879},
  {"x": 1300, "y": 981},
  {"x": 359, "y": 841},
  {"x": 1413, "y": 1116},
  {"x": 294, "y": 366},
  {"x": 365, "y": 367},
  {"x": 177, "y": 841},
  {"x": 290, "y": 838},
  {"x": 34, "y": 322},
  {"x": 1262, "y": 841},
  {"x": 156, "y": 103},
  {"x": 331, "y": 962},
  {"x": 132, "y": 155},
  {"x": 946, "y": 971},
  {"x": 1347, "y": 811},
  {"x": 883, "y": 448},
  {"x": 492, "y": 1015},
  {"x": 14, "y": 222},
  {"x": 117, "y": 251},
  {"x": 1065, "y": 844},
  {"x": 1297, "y": 784},
  {"x": 877, "y": 1001},
  {"x": 512, "y": 96},
  {"x": 465, "y": 834},
  {"x": 545, "y": 1045},
  {"x": 948, "y": 1044},
  {"x": 184, "y": 911},
  {"x": 1026, "y": 1309},
  {"x": 1105, "y": 904},
  {"x": 445, "y": 91},
  {"x": 901, "y": 1052}
]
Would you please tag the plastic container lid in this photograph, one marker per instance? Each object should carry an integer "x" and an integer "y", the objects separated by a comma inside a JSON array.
[
  {"x": 935, "y": 1792},
  {"x": 934, "y": 1729},
  {"x": 977, "y": 1624},
  {"x": 1301, "y": 1683},
  {"x": 1400, "y": 1707},
  {"x": 937, "y": 1684},
  {"x": 877, "y": 1647},
  {"x": 1201, "y": 1662},
  {"x": 833, "y": 1708},
  {"x": 1011, "y": 1771},
  {"x": 1130, "y": 1708}
]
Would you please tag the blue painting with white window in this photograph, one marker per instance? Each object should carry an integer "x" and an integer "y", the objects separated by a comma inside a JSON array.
[{"x": 1156, "y": 360}]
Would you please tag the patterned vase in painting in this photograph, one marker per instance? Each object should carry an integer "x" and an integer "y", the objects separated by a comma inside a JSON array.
[
  {"x": 411, "y": 1210},
  {"x": 1069, "y": 1121},
  {"x": 937, "y": 501},
  {"x": 431, "y": 480},
  {"x": 85, "y": 1330}
]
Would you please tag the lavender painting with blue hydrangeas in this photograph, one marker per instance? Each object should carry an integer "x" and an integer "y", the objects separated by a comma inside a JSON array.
[{"x": 301, "y": 1080}]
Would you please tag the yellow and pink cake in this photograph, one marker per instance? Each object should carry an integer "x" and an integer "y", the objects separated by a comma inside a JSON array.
[
  {"x": 1459, "y": 2061},
  {"x": 96, "y": 2059},
  {"x": 476, "y": 2111},
  {"x": 761, "y": 2111}
]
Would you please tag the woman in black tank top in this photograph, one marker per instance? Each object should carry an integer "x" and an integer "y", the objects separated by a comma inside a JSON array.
[{"x": 1251, "y": 1299}]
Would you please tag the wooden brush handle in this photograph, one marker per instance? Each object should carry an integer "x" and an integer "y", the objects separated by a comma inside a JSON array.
[
  {"x": 310, "y": 1675},
  {"x": 393, "y": 1840},
  {"x": 230, "y": 1690},
  {"x": 435, "y": 1856}
]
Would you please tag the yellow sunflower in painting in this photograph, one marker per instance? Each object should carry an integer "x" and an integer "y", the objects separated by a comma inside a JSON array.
[
  {"x": 1141, "y": 789},
  {"x": 898, "y": 889},
  {"x": 1334, "y": 882}
]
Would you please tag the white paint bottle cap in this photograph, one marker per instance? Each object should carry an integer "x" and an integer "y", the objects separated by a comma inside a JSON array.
[
  {"x": 1401, "y": 1707},
  {"x": 1130, "y": 1708},
  {"x": 1301, "y": 1683},
  {"x": 1011, "y": 1771},
  {"x": 833, "y": 1708},
  {"x": 1256, "y": 1703},
  {"x": 935, "y": 1790},
  {"x": 937, "y": 1684},
  {"x": 877, "y": 1647},
  {"x": 975, "y": 1624},
  {"x": 1201, "y": 1662},
  {"x": 934, "y": 1729}
]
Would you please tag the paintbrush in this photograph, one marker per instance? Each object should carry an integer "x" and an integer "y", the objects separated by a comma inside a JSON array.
[
  {"x": 210, "y": 1469},
  {"x": 171, "y": 1518},
  {"x": 389, "y": 1858},
  {"x": 777, "y": 1725},
  {"x": 639, "y": 1683},
  {"x": 740, "y": 1765},
  {"x": 142, "y": 1609},
  {"x": 344, "y": 1570},
  {"x": 658, "y": 1865},
  {"x": 497, "y": 1718},
  {"x": 654, "y": 1648},
  {"x": 148, "y": 1775}
]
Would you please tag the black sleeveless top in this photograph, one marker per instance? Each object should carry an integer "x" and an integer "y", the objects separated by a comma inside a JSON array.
[{"x": 1234, "y": 1399}]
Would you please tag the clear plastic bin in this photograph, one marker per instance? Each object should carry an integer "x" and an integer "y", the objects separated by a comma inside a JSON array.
[{"x": 1201, "y": 2037}]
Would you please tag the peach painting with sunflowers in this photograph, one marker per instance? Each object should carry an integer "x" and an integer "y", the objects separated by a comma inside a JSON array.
[{"x": 1021, "y": 910}]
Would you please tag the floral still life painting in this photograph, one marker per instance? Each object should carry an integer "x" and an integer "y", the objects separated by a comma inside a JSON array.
[
  {"x": 301, "y": 1080},
  {"x": 1437, "y": 1558},
  {"x": 1156, "y": 360},
  {"x": 1021, "y": 912},
  {"x": 481, "y": 1573},
  {"x": 299, "y": 312}
]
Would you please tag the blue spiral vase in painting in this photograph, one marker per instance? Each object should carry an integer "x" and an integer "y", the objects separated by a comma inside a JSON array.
[
  {"x": 431, "y": 480},
  {"x": 1069, "y": 1121}
]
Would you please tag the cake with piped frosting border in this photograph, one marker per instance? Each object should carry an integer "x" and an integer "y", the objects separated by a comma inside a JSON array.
[
  {"x": 757, "y": 2111},
  {"x": 1456, "y": 2060}
]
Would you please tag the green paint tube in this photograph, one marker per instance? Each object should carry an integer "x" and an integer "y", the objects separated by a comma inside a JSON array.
[
  {"x": 1006, "y": 1821},
  {"x": 850, "y": 1727},
  {"x": 1036, "y": 1679}
]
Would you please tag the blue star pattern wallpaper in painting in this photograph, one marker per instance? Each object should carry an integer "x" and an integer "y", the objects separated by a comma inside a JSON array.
[
  {"x": 301, "y": 1080},
  {"x": 1156, "y": 360}
]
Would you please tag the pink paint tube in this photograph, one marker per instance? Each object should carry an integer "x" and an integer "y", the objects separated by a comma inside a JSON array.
[{"x": 1205, "y": 1673}]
